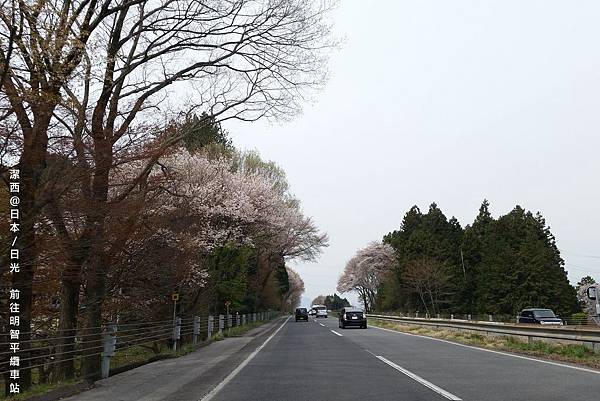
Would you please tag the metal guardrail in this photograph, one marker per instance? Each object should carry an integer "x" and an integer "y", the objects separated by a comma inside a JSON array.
[
  {"x": 46, "y": 350},
  {"x": 564, "y": 333}
]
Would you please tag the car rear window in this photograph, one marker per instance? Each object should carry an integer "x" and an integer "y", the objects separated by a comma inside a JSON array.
[{"x": 544, "y": 313}]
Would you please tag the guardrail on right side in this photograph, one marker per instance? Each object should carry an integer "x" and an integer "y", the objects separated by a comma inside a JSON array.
[{"x": 588, "y": 337}]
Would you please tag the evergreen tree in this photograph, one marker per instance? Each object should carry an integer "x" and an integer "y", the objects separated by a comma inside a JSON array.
[
  {"x": 429, "y": 235},
  {"x": 492, "y": 266},
  {"x": 334, "y": 302},
  {"x": 203, "y": 131}
]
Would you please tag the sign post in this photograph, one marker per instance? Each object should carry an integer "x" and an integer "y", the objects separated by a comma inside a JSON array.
[
  {"x": 174, "y": 298},
  {"x": 227, "y": 303}
]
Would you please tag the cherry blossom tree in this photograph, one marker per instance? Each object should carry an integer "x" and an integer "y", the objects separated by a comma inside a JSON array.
[
  {"x": 293, "y": 296},
  {"x": 589, "y": 306},
  {"x": 366, "y": 270},
  {"x": 319, "y": 300},
  {"x": 93, "y": 79}
]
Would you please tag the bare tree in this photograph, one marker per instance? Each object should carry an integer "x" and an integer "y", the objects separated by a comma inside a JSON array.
[{"x": 428, "y": 278}]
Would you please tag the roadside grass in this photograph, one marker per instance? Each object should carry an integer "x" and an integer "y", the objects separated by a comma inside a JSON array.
[
  {"x": 239, "y": 330},
  {"x": 40, "y": 389},
  {"x": 571, "y": 353}
]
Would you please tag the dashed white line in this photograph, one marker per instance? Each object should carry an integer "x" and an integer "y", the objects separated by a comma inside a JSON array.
[
  {"x": 322, "y": 324},
  {"x": 237, "y": 370},
  {"x": 336, "y": 333},
  {"x": 562, "y": 365},
  {"x": 419, "y": 379}
]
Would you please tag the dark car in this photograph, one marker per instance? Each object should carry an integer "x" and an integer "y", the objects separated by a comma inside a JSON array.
[
  {"x": 539, "y": 316},
  {"x": 350, "y": 316},
  {"x": 301, "y": 314}
]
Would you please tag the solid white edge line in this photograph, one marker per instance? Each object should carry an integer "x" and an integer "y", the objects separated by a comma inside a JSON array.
[
  {"x": 241, "y": 366},
  {"x": 419, "y": 379},
  {"x": 336, "y": 333},
  {"x": 562, "y": 365}
]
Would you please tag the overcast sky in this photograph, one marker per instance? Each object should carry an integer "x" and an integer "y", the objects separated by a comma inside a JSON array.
[{"x": 452, "y": 102}]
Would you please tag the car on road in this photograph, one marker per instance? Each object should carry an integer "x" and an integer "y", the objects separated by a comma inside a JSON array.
[
  {"x": 301, "y": 314},
  {"x": 312, "y": 312},
  {"x": 351, "y": 316},
  {"x": 321, "y": 310},
  {"x": 539, "y": 316}
]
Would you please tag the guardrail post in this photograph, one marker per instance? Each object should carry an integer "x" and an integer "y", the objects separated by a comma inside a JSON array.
[
  {"x": 239, "y": 319},
  {"x": 469, "y": 317},
  {"x": 109, "y": 342},
  {"x": 209, "y": 327},
  {"x": 196, "y": 330},
  {"x": 176, "y": 333},
  {"x": 229, "y": 321},
  {"x": 221, "y": 323},
  {"x": 490, "y": 318},
  {"x": 243, "y": 319},
  {"x": 438, "y": 315},
  {"x": 451, "y": 317}
]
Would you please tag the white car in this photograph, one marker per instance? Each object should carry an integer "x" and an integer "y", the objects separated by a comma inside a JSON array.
[{"x": 321, "y": 310}]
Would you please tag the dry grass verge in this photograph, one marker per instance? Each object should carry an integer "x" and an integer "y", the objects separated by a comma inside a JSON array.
[{"x": 570, "y": 353}]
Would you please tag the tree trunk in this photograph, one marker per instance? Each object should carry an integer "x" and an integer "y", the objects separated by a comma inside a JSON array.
[
  {"x": 31, "y": 166},
  {"x": 423, "y": 300},
  {"x": 433, "y": 306},
  {"x": 95, "y": 292},
  {"x": 98, "y": 262},
  {"x": 69, "y": 310}
]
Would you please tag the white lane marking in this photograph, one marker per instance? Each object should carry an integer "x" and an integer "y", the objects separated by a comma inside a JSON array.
[
  {"x": 562, "y": 365},
  {"x": 336, "y": 333},
  {"x": 419, "y": 379},
  {"x": 322, "y": 324},
  {"x": 237, "y": 370}
]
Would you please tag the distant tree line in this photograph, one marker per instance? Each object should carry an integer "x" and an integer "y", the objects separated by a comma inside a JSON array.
[
  {"x": 332, "y": 302},
  {"x": 493, "y": 266}
]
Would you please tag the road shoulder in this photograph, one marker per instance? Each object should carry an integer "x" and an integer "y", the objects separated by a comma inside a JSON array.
[{"x": 175, "y": 379}]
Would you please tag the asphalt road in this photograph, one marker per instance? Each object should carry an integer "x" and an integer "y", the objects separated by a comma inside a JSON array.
[{"x": 319, "y": 361}]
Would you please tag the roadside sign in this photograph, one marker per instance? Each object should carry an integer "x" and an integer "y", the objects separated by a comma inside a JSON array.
[{"x": 175, "y": 296}]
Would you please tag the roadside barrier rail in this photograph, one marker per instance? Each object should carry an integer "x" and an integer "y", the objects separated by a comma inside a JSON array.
[
  {"x": 46, "y": 349},
  {"x": 589, "y": 337},
  {"x": 582, "y": 320}
]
